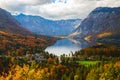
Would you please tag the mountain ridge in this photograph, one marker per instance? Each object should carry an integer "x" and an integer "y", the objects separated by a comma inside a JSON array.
[
  {"x": 40, "y": 25},
  {"x": 100, "y": 23}
]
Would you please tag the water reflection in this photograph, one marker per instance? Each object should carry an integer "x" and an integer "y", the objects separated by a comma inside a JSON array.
[{"x": 67, "y": 46}]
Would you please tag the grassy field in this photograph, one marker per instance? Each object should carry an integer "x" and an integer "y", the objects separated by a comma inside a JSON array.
[{"x": 88, "y": 63}]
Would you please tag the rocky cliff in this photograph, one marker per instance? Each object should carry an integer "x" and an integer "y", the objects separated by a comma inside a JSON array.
[{"x": 103, "y": 22}]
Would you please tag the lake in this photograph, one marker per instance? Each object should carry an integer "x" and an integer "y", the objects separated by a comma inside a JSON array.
[{"x": 67, "y": 46}]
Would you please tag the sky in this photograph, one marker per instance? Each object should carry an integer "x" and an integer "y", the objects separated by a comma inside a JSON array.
[{"x": 56, "y": 9}]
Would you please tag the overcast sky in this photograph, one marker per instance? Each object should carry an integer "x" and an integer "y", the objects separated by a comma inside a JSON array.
[{"x": 56, "y": 9}]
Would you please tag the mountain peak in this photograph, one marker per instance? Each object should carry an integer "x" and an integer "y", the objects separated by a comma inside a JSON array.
[
  {"x": 105, "y": 9},
  {"x": 21, "y": 14}
]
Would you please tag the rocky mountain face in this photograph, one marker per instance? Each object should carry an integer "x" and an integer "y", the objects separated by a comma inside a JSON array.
[
  {"x": 9, "y": 24},
  {"x": 101, "y": 23},
  {"x": 43, "y": 26}
]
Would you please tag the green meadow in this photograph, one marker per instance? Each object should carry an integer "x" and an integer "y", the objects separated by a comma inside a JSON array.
[{"x": 89, "y": 63}]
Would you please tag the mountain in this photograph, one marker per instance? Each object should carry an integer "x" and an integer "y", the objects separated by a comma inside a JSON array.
[
  {"x": 43, "y": 26},
  {"x": 102, "y": 23},
  {"x": 16, "y": 40},
  {"x": 9, "y": 24}
]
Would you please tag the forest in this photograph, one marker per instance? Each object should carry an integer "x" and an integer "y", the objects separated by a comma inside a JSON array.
[
  {"x": 100, "y": 62},
  {"x": 18, "y": 45},
  {"x": 24, "y": 58},
  {"x": 29, "y": 27}
]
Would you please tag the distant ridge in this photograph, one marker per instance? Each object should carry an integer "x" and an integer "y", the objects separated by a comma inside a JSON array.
[{"x": 40, "y": 25}]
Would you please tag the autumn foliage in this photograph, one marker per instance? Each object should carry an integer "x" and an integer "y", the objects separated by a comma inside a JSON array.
[{"x": 16, "y": 44}]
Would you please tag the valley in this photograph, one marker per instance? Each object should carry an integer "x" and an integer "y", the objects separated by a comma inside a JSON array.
[{"x": 35, "y": 48}]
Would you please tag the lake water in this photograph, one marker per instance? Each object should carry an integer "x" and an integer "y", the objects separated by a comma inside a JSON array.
[{"x": 66, "y": 46}]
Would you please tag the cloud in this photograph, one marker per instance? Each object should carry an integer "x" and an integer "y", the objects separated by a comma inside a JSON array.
[
  {"x": 109, "y": 3},
  {"x": 21, "y": 5},
  {"x": 56, "y": 9}
]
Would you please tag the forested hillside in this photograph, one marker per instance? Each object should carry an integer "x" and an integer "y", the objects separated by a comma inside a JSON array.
[{"x": 68, "y": 68}]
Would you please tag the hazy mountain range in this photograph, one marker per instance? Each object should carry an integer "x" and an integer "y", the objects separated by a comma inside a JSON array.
[{"x": 39, "y": 25}]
